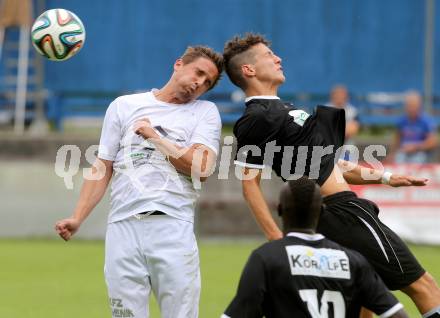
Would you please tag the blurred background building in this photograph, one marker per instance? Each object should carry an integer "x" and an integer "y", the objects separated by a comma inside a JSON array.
[{"x": 372, "y": 47}]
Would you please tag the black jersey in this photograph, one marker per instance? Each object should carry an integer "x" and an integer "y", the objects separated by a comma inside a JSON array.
[
  {"x": 292, "y": 142},
  {"x": 305, "y": 275}
]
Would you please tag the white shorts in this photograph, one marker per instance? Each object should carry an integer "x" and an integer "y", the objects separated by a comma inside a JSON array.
[{"x": 158, "y": 253}]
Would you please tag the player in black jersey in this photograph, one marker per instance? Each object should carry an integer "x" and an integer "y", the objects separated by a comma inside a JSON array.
[
  {"x": 271, "y": 133},
  {"x": 305, "y": 274}
]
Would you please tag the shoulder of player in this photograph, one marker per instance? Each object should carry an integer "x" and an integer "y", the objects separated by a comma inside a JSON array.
[
  {"x": 271, "y": 248},
  {"x": 258, "y": 116},
  {"x": 132, "y": 97},
  {"x": 206, "y": 110},
  {"x": 265, "y": 106},
  {"x": 204, "y": 103},
  {"x": 253, "y": 115},
  {"x": 126, "y": 103},
  {"x": 205, "y": 106},
  {"x": 263, "y": 253}
]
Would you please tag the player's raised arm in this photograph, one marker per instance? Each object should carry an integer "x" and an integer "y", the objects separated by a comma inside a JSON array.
[
  {"x": 197, "y": 160},
  {"x": 92, "y": 191},
  {"x": 257, "y": 203}
]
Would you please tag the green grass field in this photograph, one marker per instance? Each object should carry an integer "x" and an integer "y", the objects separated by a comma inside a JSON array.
[{"x": 53, "y": 279}]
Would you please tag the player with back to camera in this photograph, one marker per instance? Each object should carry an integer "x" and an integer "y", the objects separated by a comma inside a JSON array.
[
  {"x": 305, "y": 274},
  {"x": 151, "y": 145},
  {"x": 347, "y": 219}
]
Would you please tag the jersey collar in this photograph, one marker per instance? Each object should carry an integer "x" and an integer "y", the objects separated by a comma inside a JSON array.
[
  {"x": 307, "y": 237},
  {"x": 261, "y": 97}
]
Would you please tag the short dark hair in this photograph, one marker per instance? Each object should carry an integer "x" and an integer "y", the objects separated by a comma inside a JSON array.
[
  {"x": 234, "y": 55},
  {"x": 192, "y": 53},
  {"x": 300, "y": 204}
]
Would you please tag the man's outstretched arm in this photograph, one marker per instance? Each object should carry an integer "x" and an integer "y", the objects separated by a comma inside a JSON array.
[{"x": 356, "y": 174}]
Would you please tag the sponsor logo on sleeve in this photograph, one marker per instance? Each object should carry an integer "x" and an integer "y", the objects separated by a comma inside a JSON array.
[{"x": 299, "y": 116}]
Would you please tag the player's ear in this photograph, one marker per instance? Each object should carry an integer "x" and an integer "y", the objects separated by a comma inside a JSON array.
[
  {"x": 248, "y": 70},
  {"x": 178, "y": 64}
]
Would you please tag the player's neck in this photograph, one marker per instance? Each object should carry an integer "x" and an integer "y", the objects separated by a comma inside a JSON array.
[
  {"x": 261, "y": 89},
  {"x": 168, "y": 95}
]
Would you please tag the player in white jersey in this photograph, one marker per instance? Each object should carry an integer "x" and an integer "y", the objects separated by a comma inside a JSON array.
[{"x": 157, "y": 146}]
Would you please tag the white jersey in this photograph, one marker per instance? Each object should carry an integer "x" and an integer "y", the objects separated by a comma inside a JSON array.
[{"x": 144, "y": 180}]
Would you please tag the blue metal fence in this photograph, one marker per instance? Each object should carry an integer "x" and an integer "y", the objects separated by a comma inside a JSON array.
[{"x": 94, "y": 104}]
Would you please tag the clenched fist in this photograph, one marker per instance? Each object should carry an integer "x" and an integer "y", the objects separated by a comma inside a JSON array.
[
  {"x": 67, "y": 227},
  {"x": 143, "y": 128}
]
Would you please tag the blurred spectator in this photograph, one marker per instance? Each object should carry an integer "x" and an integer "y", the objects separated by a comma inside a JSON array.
[
  {"x": 339, "y": 99},
  {"x": 416, "y": 137}
]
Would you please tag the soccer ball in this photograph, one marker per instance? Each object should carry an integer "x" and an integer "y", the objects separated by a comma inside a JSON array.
[{"x": 58, "y": 34}]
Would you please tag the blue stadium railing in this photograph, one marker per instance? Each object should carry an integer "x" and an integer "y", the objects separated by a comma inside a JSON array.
[{"x": 65, "y": 105}]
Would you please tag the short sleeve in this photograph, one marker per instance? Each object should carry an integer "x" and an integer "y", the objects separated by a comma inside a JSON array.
[
  {"x": 208, "y": 130},
  {"x": 374, "y": 293},
  {"x": 249, "y": 299},
  {"x": 254, "y": 132},
  {"x": 111, "y": 133}
]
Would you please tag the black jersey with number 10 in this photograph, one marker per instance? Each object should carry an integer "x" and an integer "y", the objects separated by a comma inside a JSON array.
[{"x": 307, "y": 275}]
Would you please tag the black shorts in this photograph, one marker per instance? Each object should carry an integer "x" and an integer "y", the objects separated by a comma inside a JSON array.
[{"x": 354, "y": 223}]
